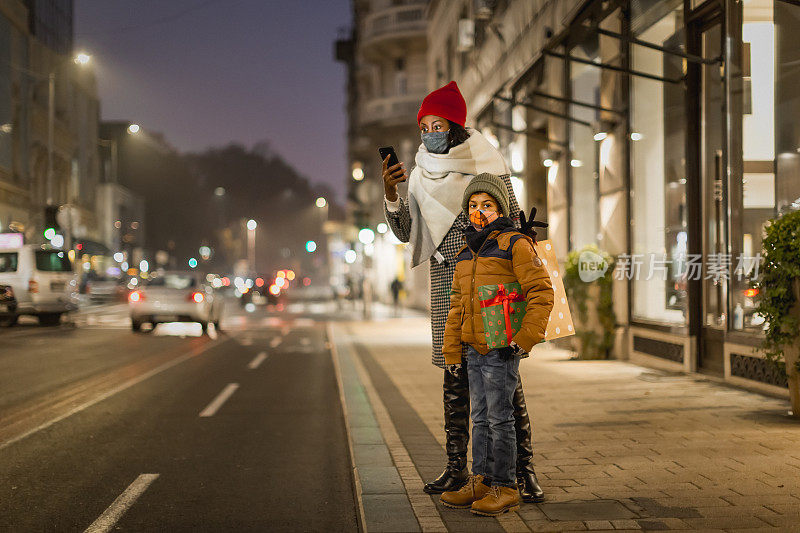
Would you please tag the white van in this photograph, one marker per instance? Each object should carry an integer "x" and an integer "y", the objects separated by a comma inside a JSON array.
[{"x": 42, "y": 279}]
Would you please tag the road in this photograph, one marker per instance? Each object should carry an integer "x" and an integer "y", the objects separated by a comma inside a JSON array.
[{"x": 102, "y": 429}]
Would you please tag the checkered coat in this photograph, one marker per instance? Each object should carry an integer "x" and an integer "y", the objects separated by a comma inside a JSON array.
[{"x": 442, "y": 273}]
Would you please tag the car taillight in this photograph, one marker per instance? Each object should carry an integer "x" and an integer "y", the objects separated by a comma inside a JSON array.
[
  {"x": 196, "y": 297},
  {"x": 750, "y": 293},
  {"x": 135, "y": 296},
  {"x": 33, "y": 285}
]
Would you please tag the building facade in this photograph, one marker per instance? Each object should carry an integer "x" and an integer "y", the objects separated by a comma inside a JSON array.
[
  {"x": 662, "y": 131},
  {"x": 49, "y": 113},
  {"x": 386, "y": 61}
]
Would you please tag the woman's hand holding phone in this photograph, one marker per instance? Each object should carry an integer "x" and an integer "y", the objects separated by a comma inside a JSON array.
[{"x": 391, "y": 177}]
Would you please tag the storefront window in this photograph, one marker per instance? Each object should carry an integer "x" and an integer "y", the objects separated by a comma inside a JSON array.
[
  {"x": 769, "y": 129},
  {"x": 658, "y": 122},
  {"x": 787, "y": 108},
  {"x": 585, "y": 81}
]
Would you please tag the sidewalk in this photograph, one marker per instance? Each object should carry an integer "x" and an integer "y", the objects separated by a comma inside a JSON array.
[{"x": 617, "y": 446}]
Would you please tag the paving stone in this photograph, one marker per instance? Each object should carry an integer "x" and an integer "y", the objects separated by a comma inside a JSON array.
[
  {"x": 586, "y": 510},
  {"x": 381, "y": 480},
  {"x": 598, "y": 525},
  {"x": 547, "y": 525},
  {"x": 736, "y": 522},
  {"x": 389, "y": 513},
  {"x": 371, "y": 455},
  {"x": 625, "y": 524},
  {"x": 367, "y": 435}
]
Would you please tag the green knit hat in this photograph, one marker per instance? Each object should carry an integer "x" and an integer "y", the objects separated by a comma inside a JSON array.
[{"x": 491, "y": 185}]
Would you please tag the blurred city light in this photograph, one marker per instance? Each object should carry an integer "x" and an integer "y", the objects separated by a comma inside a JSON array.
[
  {"x": 123, "y": 265},
  {"x": 57, "y": 241},
  {"x": 274, "y": 290},
  {"x": 281, "y": 274},
  {"x": 576, "y": 163},
  {"x": 49, "y": 233},
  {"x": 280, "y": 282},
  {"x": 548, "y": 163},
  {"x": 134, "y": 297},
  {"x": 636, "y": 136},
  {"x": 219, "y": 191},
  {"x": 133, "y": 129},
  {"x": 350, "y": 256},
  {"x": 358, "y": 172},
  {"x": 383, "y": 228},
  {"x": 311, "y": 246},
  {"x": 366, "y": 236},
  {"x": 144, "y": 266},
  {"x": 321, "y": 202},
  {"x": 82, "y": 58},
  {"x": 306, "y": 282},
  {"x": 205, "y": 252},
  {"x": 250, "y": 307},
  {"x": 599, "y": 136},
  {"x": 216, "y": 283},
  {"x": 259, "y": 282},
  {"x": 252, "y": 224},
  {"x": 192, "y": 262}
]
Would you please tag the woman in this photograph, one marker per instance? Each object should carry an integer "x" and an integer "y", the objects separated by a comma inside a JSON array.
[{"x": 432, "y": 221}]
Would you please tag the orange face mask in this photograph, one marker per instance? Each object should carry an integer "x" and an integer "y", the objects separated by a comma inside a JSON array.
[{"x": 481, "y": 219}]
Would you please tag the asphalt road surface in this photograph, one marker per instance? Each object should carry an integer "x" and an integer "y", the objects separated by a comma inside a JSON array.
[{"x": 102, "y": 429}]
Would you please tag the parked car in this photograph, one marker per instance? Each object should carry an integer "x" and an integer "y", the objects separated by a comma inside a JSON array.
[
  {"x": 105, "y": 289},
  {"x": 42, "y": 280},
  {"x": 8, "y": 306},
  {"x": 175, "y": 297}
]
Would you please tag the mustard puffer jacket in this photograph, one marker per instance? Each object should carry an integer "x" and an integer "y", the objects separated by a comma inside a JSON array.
[{"x": 505, "y": 256}]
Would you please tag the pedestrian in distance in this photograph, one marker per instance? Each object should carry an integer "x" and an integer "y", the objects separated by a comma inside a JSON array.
[
  {"x": 396, "y": 286},
  {"x": 496, "y": 257},
  {"x": 431, "y": 219}
]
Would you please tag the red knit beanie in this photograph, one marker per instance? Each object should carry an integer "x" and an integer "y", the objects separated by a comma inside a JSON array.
[{"x": 445, "y": 102}]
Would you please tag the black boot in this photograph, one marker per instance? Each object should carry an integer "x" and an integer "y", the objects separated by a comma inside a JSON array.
[
  {"x": 456, "y": 427},
  {"x": 529, "y": 488}
]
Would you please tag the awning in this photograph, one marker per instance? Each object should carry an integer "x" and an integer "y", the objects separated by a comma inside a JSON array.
[{"x": 86, "y": 246}]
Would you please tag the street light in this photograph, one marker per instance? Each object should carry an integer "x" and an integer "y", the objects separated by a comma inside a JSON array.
[
  {"x": 251, "y": 244},
  {"x": 80, "y": 59},
  {"x": 133, "y": 129},
  {"x": 321, "y": 202}
]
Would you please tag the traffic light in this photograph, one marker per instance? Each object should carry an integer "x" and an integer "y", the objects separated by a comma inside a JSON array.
[{"x": 50, "y": 223}]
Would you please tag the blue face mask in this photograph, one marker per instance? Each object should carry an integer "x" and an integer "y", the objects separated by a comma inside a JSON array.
[{"x": 435, "y": 141}]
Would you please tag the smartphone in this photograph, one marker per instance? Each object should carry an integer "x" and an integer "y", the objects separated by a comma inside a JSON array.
[{"x": 388, "y": 150}]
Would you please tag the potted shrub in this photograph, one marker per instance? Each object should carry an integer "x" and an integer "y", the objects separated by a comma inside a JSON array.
[
  {"x": 588, "y": 279},
  {"x": 779, "y": 298}
]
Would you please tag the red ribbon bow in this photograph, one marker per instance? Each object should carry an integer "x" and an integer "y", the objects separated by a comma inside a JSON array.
[{"x": 505, "y": 298}]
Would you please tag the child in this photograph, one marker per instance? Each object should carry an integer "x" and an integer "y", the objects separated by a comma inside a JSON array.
[{"x": 495, "y": 253}]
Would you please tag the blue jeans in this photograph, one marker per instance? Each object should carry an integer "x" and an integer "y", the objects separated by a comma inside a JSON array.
[{"x": 492, "y": 381}]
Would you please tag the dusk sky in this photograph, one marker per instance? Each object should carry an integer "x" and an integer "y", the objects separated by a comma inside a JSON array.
[{"x": 210, "y": 72}]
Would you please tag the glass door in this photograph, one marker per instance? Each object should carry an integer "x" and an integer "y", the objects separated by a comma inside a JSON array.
[{"x": 708, "y": 210}]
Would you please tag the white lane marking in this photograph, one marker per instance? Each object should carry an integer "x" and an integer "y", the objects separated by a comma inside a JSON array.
[
  {"x": 275, "y": 342},
  {"x": 124, "y": 501},
  {"x": 221, "y": 398},
  {"x": 257, "y": 361},
  {"x": 112, "y": 392}
]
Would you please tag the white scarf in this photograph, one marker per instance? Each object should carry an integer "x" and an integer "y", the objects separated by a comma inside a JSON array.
[{"x": 437, "y": 183}]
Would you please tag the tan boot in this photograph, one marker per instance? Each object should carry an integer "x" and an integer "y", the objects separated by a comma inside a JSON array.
[
  {"x": 497, "y": 501},
  {"x": 463, "y": 498}
]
